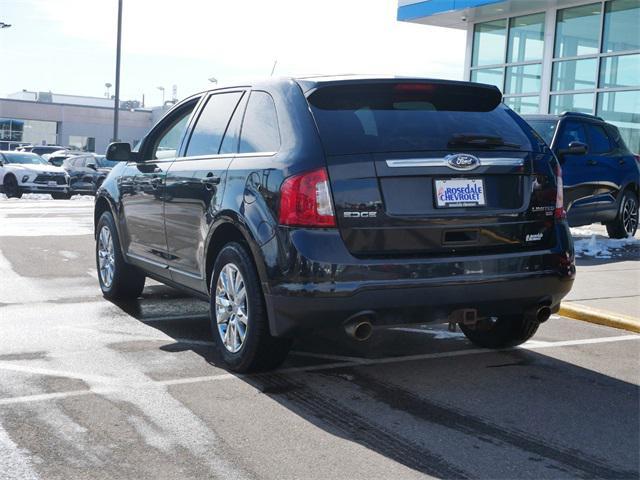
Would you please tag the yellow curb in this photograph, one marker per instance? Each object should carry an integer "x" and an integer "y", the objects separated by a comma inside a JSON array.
[{"x": 601, "y": 317}]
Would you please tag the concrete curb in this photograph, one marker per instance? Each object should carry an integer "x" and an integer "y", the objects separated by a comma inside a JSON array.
[{"x": 601, "y": 317}]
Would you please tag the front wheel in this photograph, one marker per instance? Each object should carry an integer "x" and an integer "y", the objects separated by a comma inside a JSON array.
[
  {"x": 11, "y": 188},
  {"x": 500, "y": 332},
  {"x": 238, "y": 315},
  {"x": 626, "y": 222},
  {"x": 118, "y": 280}
]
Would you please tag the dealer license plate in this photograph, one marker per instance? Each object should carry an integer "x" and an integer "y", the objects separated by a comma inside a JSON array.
[
  {"x": 53, "y": 183},
  {"x": 460, "y": 192}
]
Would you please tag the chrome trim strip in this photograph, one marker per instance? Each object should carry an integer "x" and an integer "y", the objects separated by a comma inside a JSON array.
[
  {"x": 186, "y": 274},
  {"x": 146, "y": 260},
  {"x": 441, "y": 162}
]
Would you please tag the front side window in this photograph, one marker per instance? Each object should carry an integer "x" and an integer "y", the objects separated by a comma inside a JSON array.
[
  {"x": 166, "y": 141},
  {"x": 577, "y": 31},
  {"x": 260, "y": 132},
  {"x": 572, "y": 132},
  {"x": 599, "y": 140},
  {"x": 212, "y": 123}
]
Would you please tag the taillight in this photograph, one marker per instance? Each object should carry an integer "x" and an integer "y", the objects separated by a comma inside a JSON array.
[
  {"x": 305, "y": 200},
  {"x": 559, "y": 211}
]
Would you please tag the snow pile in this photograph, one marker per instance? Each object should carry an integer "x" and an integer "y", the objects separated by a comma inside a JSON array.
[
  {"x": 42, "y": 196},
  {"x": 598, "y": 246}
]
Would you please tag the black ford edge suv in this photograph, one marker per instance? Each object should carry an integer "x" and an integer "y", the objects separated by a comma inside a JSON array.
[{"x": 298, "y": 204}]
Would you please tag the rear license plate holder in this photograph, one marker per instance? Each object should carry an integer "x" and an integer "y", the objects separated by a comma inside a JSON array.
[{"x": 459, "y": 192}]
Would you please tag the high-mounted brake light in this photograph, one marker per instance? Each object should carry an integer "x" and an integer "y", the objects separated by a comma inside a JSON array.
[
  {"x": 305, "y": 200},
  {"x": 559, "y": 212}
]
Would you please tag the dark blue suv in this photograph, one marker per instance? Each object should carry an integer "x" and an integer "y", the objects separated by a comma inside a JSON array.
[{"x": 600, "y": 174}]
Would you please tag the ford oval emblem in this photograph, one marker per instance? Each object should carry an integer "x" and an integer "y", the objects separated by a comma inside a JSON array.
[{"x": 462, "y": 161}]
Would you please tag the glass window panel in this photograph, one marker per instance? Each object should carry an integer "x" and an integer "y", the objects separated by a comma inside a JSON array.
[
  {"x": 577, "y": 31},
  {"x": 623, "y": 110},
  {"x": 524, "y": 104},
  {"x": 621, "y": 23},
  {"x": 574, "y": 74},
  {"x": 572, "y": 131},
  {"x": 573, "y": 102},
  {"x": 598, "y": 139},
  {"x": 523, "y": 79},
  {"x": 492, "y": 76},
  {"x": 489, "y": 42},
  {"x": 526, "y": 38},
  {"x": 260, "y": 132},
  {"x": 622, "y": 71},
  {"x": 212, "y": 123}
]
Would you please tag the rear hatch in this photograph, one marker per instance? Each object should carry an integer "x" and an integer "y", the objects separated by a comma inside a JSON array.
[{"x": 419, "y": 168}]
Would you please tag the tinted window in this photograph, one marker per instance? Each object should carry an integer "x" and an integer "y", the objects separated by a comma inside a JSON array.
[
  {"x": 24, "y": 158},
  {"x": 572, "y": 132},
  {"x": 599, "y": 141},
  {"x": 614, "y": 136},
  {"x": 385, "y": 117},
  {"x": 260, "y": 131},
  {"x": 232, "y": 135},
  {"x": 166, "y": 141},
  {"x": 212, "y": 123}
]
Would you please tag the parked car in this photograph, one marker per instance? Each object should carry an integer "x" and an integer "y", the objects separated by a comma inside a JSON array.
[
  {"x": 58, "y": 157},
  {"x": 25, "y": 172},
  {"x": 86, "y": 172},
  {"x": 300, "y": 204},
  {"x": 601, "y": 175},
  {"x": 40, "y": 149}
]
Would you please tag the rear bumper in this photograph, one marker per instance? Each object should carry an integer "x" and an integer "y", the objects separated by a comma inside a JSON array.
[{"x": 317, "y": 294}]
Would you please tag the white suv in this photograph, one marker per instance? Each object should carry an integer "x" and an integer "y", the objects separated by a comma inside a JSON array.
[{"x": 23, "y": 172}]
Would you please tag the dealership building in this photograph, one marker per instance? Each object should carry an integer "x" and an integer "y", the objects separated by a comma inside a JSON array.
[
  {"x": 550, "y": 56},
  {"x": 85, "y": 123}
]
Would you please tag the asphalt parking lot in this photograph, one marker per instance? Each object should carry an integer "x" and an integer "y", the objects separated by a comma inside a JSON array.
[{"x": 91, "y": 389}]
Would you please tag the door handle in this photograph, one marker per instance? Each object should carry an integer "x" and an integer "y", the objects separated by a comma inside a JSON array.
[
  {"x": 210, "y": 179},
  {"x": 622, "y": 161}
]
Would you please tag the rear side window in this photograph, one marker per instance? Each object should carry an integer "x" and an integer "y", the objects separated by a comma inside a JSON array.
[
  {"x": 572, "y": 132},
  {"x": 390, "y": 116},
  {"x": 260, "y": 131},
  {"x": 212, "y": 123},
  {"x": 599, "y": 140}
]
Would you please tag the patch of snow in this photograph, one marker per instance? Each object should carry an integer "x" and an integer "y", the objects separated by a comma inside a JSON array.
[{"x": 599, "y": 247}]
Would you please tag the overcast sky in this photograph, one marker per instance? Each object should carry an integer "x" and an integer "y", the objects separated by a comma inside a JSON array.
[{"x": 68, "y": 46}]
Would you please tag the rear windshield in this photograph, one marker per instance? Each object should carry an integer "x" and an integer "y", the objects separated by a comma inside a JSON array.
[
  {"x": 545, "y": 128},
  {"x": 386, "y": 117}
]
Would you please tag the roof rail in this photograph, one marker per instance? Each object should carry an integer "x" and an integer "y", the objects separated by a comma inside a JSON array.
[{"x": 580, "y": 114}]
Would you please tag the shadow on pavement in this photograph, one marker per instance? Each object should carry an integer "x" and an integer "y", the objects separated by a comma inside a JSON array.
[{"x": 509, "y": 414}]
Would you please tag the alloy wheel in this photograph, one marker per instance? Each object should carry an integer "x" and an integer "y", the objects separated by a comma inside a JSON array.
[
  {"x": 106, "y": 257},
  {"x": 231, "y": 307},
  {"x": 630, "y": 216}
]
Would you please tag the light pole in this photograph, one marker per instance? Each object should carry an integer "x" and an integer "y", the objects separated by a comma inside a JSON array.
[
  {"x": 162, "y": 90},
  {"x": 116, "y": 100},
  {"x": 108, "y": 86},
  {"x": 4, "y": 25}
]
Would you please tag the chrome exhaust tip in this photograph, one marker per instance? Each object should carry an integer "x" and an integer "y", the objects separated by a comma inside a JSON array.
[
  {"x": 359, "y": 326},
  {"x": 543, "y": 314}
]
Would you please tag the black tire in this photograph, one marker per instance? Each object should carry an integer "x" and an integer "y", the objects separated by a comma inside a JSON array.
[
  {"x": 127, "y": 281},
  {"x": 626, "y": 222},
  {"x": 500, "y": 332},
  {"x": 61, "y": 196},
  {"x": 259, "y": 351},
  {"x": 11, "y": 188}
]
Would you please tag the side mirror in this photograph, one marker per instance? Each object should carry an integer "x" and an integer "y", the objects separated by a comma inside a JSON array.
[
  {"x": 574, "y": 148},
  {"x": 120, "y": 152},
  {"x": 92, "y": 166}
]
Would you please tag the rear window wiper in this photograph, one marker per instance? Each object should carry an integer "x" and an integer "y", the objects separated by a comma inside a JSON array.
[{"x": 480, "y": 141}]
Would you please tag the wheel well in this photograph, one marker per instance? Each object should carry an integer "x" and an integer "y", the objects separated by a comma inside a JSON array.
[
  {"x": 224, "y": 234},
  {"x": 102, "y": 205}
]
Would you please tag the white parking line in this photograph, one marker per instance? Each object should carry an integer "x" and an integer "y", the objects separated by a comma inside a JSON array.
[{"x": 353, "y": 362}]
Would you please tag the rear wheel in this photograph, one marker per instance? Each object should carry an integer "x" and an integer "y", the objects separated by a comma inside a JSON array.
[
  {"x": 11, "y": 188},
  {"x": 61, "y": 196},
  {"x": 500, "y": 332},
  {"x": 118, "y": 280},
  {"x": 626, "y": 222},
  {"x": 238, "y": 315}
]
